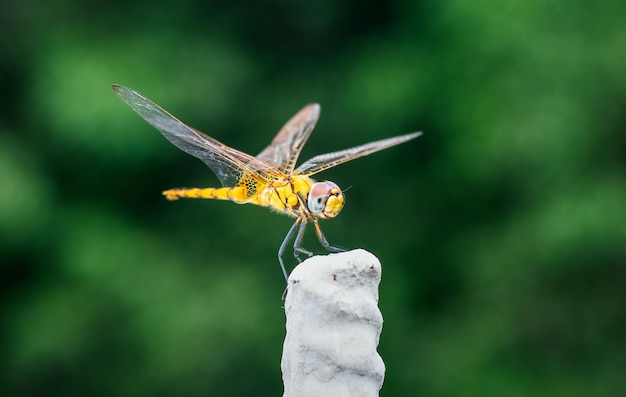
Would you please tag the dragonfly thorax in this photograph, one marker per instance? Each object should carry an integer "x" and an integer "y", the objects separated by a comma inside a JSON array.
[{"x": 325, "y": 199}]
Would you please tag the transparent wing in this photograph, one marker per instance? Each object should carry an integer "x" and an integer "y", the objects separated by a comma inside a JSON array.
[
  {"x": 286, "y": 146},
  {"x": 229, "y": 164},
  {"x": 329, "y": 160}
]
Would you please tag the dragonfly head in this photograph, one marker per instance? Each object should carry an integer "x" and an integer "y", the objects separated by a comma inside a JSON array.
[{"x": 325, "y": 199}]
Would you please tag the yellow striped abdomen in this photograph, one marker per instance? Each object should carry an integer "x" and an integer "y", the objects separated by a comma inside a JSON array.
[{"x": 237, "y": 194}]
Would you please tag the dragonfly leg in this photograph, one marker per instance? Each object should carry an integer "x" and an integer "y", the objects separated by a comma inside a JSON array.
[
  {"x": 283, "y": 246},
  {"x": 297, "y": 248},
  {"x": 323, "y": 240}
]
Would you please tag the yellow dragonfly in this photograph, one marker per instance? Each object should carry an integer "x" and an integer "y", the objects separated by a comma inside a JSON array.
[{"x": 269, "y": 179}]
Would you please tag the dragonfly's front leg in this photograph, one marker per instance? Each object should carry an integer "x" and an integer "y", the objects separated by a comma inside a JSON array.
[
  {"x": 323, "y": 240},
  {"x": 283, "y": 246},
  {"x": 297, "y": 249}
]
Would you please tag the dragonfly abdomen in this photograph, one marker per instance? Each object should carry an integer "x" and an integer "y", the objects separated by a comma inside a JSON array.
[{"x": 237, "y": 194}]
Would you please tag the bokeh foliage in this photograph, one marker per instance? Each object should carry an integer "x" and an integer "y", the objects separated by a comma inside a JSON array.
[{"x": 502, "y": 231}]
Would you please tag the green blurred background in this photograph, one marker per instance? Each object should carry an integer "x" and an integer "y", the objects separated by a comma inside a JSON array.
[{"x": 502, "y": 230}]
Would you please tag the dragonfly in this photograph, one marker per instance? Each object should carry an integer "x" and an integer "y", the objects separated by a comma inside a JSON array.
[{"x": 270, "y": 179}]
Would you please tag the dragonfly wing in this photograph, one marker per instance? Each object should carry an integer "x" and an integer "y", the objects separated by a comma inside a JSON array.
[
  {"x": 329, "y": 160},
  {"x": 229, "y": 164},
  {"x": 288, "y": 143}
]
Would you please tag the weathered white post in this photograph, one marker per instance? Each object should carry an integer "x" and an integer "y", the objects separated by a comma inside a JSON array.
[{"x": 333, "y": 327}]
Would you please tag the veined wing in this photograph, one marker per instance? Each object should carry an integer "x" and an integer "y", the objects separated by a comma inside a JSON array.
[
  {"x": 286, "y": 146},
  {"x": 329, "y": 160},
  {"x": 229, "y": 164}
]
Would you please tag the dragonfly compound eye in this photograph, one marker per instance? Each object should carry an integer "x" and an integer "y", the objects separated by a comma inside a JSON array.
[{"x": 325, "y": 199}]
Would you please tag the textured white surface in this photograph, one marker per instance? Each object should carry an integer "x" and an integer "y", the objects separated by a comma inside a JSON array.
[{"x": 333, "y": 327}]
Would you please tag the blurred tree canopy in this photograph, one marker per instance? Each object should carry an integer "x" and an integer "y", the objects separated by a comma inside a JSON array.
[{"x": 502, "y": 231}]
